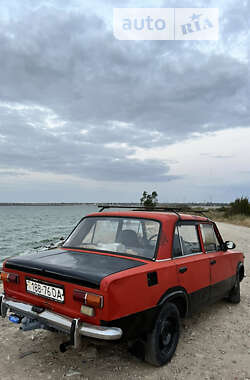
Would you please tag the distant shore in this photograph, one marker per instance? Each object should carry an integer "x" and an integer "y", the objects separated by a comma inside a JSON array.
[
  {"x": 47, "y": 204},
  {"x": 128, "y": 204}
]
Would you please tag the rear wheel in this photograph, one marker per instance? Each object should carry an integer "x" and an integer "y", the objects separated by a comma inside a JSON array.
[
  {"x": 162, "y": 341},
  {"x": 234, "y": 296}
]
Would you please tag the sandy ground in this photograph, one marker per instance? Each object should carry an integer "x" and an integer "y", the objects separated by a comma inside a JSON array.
[{"x": 214, "y": 344}]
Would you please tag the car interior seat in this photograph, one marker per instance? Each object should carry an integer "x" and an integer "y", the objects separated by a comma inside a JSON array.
[{"x": 128, "y": 238}]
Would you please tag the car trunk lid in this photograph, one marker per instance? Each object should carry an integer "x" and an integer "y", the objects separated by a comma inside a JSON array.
[{"x": 77, "y": 267}]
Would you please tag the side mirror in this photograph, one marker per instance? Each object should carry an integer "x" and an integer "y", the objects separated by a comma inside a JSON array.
[{"x": 229, "y": 245}]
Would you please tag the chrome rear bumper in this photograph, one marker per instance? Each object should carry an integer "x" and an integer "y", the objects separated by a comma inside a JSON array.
[{"x": 60, "y": 322}]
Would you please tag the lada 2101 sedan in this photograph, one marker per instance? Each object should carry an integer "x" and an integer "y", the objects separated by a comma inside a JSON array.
[{"x": 124, "y": 274}]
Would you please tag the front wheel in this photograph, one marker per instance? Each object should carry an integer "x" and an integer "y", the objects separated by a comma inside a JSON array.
[
  {"x": 234, "y": 296},
  {"x": 162, "y": 341}
]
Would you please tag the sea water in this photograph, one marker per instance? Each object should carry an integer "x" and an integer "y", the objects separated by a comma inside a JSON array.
[{"x": 26, "y": 229}]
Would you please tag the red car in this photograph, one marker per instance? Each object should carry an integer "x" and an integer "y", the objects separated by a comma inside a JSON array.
[{"x": 128, "y": 275}]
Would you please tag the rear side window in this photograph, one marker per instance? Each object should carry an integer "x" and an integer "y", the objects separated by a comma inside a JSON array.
[
  {"x": 189, "y": 239},
  {"x": 186, "y": 240},
  {"x": 209, "y": 237}
]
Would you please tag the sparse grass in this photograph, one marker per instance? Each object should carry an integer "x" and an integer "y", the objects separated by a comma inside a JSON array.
[
  {"x": 240, "y": 206},
  {"x": 238, "y": 212},
  {"x": 222, "y": 216}
]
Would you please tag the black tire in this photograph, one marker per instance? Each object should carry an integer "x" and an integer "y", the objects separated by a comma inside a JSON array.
[
  {"x": 234, "y": 295},
  {"x": 163, "y": 339}
]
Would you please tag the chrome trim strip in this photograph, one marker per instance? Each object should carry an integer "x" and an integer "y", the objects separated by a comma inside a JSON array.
[
  {"x": 61, "y": 322},
  {"x": 100, "y": 332},
  {"x": 191, "y": 254},
  {"x": 159, "y": 261}
]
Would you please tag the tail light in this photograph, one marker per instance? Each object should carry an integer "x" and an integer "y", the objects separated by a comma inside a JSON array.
[
  {"x": 10, "y": 277},
  {"x": 88, "y": 299}
]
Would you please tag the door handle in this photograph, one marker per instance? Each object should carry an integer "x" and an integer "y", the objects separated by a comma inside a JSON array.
[
  {"x": 183, "y": 269},
  {"x": 212, "y": 262}
]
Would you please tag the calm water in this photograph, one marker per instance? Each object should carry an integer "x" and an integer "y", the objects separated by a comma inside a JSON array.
[{"x": 25, "y": 229}]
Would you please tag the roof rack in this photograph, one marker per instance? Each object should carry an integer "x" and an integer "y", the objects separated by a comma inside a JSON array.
[{"x": 175, "y": 210}]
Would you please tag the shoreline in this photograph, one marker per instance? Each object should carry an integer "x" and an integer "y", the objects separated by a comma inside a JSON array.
[
  {"x": 48, "y": 204},
  {"x": 132, "y": 204}
]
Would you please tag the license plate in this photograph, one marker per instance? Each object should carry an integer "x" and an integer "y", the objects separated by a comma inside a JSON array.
[{"x": 44, "y": 289}]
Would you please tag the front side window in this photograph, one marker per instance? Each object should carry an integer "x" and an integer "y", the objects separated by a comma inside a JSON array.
[
  {"x": 209, "y": 238},
  {"x": 186, "y": 240},
  {"x": 131, "y": 236}
]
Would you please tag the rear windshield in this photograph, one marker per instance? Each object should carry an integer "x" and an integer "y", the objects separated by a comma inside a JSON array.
[{"x": 129, "y": 236}]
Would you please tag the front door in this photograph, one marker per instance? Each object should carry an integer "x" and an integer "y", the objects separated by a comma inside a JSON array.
[
  {"x": 221, "y": 269},
  {"x": 193, "y": 267}
]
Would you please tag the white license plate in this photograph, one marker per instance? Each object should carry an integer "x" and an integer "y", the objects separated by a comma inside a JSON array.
[{"x": 44, "y": 289}]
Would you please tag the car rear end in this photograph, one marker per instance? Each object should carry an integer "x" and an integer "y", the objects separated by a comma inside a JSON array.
[
  {"x": 40, "y": 301},
  {"x": 68, "y": 289}
]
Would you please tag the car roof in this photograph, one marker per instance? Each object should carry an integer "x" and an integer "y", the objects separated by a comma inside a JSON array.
[{"x": 156, "y": 215}]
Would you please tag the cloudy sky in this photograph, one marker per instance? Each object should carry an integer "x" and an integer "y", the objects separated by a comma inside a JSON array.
[{"x": 87, "y": 117}]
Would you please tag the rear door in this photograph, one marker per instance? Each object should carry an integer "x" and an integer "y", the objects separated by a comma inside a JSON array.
[
  {"x": 220, "y": 261},
  {"x": 193, "y": 267}
]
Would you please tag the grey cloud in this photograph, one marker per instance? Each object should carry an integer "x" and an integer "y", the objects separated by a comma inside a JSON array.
[
  {"x": 13, "y": 173},
  {"x": 67, "y": 61},
  {"x": 72, "y": 63},
  {"x": 35, "y": 149},
  {"x": 221, "y": 156},
  {"x": 128, "y": 170}
]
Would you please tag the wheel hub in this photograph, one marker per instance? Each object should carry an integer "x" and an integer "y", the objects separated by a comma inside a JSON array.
[{"x": 166, "y": 333}]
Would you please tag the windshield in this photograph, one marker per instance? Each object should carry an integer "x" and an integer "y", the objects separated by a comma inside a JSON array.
[{"x": 129, "y": 236}]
